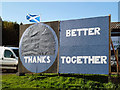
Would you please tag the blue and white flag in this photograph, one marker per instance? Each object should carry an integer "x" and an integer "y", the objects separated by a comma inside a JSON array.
[{"x": 33, "y": 18}]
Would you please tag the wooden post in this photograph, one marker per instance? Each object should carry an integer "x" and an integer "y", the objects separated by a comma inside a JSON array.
[
  {"x": 116, "y": 57},
  {"x": 109, "y": 46},
  {"x": 58, "y": 49},
  {"x": 109, "y": 77},
  {"x": 117, "y": 61},
  {"x": 117, "y": 67}
]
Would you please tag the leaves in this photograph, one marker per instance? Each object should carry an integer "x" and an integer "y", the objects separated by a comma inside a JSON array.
[
  {"x": 54, "y": 81},
  {"x": 10, "y": 33}
]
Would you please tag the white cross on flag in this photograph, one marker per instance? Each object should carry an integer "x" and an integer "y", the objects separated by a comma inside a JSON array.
[{"x": 33, "y": 18}]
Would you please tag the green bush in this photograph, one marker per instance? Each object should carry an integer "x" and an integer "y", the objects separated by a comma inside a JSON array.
[
  {"x": 57, "y": 82},
  {"x": 93, "y": 84},
  {"x": 109, "y": 85}
]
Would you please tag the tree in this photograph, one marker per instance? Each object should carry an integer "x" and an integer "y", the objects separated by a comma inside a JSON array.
[
  {"x": 21, "y": 23},
  {"x": 10, "y": 33}
]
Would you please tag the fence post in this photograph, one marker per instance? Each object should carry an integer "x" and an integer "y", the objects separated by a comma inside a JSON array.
[{"x": 117, "y": 61}]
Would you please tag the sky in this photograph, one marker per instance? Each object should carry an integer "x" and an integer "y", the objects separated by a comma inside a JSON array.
[{"x": 54, "y": 11}]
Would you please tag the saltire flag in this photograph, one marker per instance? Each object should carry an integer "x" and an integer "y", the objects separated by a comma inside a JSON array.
[{"x": 33, "y": 18}]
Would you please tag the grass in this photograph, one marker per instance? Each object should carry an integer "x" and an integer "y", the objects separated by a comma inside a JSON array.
[{"x": 66, "y": 81}]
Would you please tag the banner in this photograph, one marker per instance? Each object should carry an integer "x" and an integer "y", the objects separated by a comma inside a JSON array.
[
  {"x": 84, "y": 46},
  {"x": 38, "y": 48}
]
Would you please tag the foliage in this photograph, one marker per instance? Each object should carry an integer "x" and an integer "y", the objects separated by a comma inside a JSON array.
[
  {"x": 109, "y": 85},
  {"x": 54, "y": 81},
  {"x": 10, "y": 33}
]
